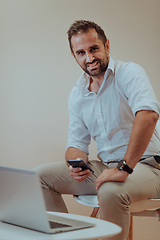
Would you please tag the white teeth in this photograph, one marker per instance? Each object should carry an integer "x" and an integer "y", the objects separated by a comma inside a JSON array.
[{"x": 93, "y": 65}]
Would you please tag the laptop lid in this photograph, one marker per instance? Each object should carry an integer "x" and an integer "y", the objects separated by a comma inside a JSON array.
[{"x": 22, "y": 203}]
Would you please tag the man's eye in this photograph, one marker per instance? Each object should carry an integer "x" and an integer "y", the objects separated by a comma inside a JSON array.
[
  {"x": 81, "y": 53},
  {"x": 94, "y": 49}
]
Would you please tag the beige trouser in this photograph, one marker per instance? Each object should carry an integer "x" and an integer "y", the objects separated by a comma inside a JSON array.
[{"x": 114, "y": 197}]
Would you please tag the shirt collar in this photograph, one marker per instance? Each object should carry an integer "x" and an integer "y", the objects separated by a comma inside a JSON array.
[
  {"x": 111, "y": 67},
  {"x": 84, "y": 81}
]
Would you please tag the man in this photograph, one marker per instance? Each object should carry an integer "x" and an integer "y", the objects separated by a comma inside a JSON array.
[{"x": 112, "y": 102}]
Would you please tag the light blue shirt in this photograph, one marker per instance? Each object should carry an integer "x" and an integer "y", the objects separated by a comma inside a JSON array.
[{"x": 108, "y": 116}]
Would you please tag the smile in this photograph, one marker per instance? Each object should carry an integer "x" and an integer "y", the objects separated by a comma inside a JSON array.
[{"x": 93, "y": 65}]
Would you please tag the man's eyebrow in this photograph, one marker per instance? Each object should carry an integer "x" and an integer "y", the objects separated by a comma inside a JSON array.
[
  {"x": 93, "y": 46},
  {"x": 79, "y": 50}
]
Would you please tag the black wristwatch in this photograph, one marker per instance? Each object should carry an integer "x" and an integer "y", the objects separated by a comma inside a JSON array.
[{"x": 122, "y": 165}]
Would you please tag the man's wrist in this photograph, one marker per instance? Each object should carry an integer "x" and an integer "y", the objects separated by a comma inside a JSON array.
[{"x": 122, "y": 165}]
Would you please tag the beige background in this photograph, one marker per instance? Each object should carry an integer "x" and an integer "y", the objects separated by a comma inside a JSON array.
[{"x": 37, "y": 73}]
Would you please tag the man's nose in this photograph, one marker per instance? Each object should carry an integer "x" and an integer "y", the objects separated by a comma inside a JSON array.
[{"x": 89, "y": 57}]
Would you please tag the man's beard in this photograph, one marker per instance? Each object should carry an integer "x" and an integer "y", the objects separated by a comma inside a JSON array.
[{"x": 96, "y": 72}]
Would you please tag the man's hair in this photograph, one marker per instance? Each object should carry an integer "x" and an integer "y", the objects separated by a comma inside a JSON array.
[{"x": 83, "y": 26}]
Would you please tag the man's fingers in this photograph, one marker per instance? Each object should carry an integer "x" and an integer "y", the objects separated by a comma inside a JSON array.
[
  {"x": 78, "y": 174},
  {"x": 74, "y": 170},
  {"x": 99, "y": 182},
  {"x": 85, "y": 173},
  {"x": 80, "y": 178}
]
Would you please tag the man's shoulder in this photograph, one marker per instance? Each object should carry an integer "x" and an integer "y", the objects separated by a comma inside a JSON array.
[
  {"x": 126, "y": 67},
  {"x": 128, "y": 71},
  {"x": 73, "y": 92},
  {"x": 81, "y": 86}
]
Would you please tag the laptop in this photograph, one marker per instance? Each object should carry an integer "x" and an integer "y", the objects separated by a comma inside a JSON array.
[{"x": 22, "y": 203}]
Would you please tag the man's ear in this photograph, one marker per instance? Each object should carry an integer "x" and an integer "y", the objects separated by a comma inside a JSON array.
[{"x": 107, "y": 45}]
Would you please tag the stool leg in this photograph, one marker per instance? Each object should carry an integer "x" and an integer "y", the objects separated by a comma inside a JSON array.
[
  {"x": 158, "y": 211},
  {"x": 130, "y": 234},
  {"x": 94, "y": 212}
]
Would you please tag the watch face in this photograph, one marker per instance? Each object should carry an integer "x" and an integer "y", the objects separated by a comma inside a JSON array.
[
  {"x": 120, "y": 165},
  {"x": 123, "y": 166}
]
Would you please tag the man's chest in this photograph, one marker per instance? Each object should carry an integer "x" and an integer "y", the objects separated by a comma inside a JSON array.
[{"x": 106, "y": 111}]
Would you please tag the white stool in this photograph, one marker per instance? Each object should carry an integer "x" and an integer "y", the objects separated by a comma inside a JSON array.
[{"x": 147, "y": 208}]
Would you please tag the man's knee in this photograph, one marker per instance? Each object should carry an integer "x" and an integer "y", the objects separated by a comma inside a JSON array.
[
  {"x": 112, "y": 195},
  {"x": 50, "y": 173},
  {"x": 51, "y": 168}
]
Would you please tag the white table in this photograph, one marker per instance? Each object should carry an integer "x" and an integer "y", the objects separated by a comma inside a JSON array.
[{"x": 102, "y": 229}]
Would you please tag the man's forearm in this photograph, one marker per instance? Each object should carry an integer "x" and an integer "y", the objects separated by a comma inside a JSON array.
[
  {"x": 74, "y": 153},
  {"x": 142, "y": 131}
]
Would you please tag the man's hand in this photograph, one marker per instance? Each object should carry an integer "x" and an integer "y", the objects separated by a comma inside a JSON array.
[
  {"x": 111, "y": 175},
  {"x": 78, "y": 174}
]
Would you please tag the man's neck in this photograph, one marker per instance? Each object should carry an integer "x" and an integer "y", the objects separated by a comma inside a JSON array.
[{"x": 95, "y": 83}]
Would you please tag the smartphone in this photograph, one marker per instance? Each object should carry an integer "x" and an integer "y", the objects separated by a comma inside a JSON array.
[{"x": 79, "y": 163}]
